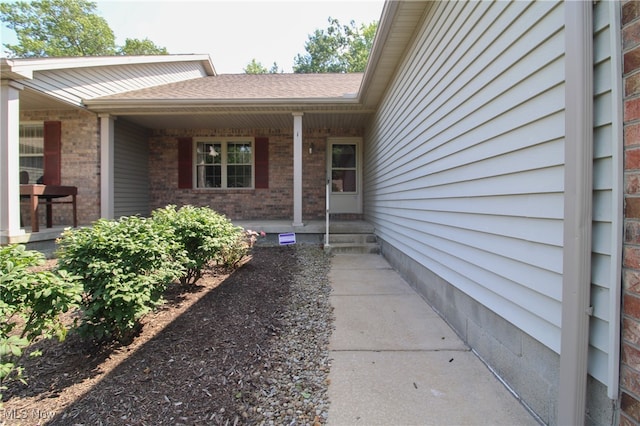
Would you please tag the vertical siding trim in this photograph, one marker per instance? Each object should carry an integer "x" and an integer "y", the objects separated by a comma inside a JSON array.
[
  {"x": 577, "y": 212},
  {"x": 618, "y": 200}
]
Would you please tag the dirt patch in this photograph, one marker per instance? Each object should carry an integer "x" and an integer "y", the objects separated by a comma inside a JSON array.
[{"x": 200, "y": 359}]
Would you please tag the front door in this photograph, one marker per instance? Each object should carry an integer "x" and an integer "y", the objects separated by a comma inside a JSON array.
[{"x": 344, "y": 171}]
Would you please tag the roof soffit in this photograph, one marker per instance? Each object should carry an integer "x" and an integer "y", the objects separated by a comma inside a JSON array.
[{"x": 397, "y": 28}]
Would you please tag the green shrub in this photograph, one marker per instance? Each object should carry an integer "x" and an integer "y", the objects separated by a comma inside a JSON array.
[
  {"x": 30, "y": 306},
  {"x": 204, "y": 234},
  {"x": 233, "y": 253},
  {"x": 125, "y": 266}
]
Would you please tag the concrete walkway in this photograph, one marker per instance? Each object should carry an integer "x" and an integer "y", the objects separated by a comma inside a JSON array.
[{"x": 396, "y": 362}]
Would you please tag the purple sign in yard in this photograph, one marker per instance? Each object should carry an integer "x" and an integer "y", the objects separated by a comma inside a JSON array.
[{"x": 286, "y": 239}]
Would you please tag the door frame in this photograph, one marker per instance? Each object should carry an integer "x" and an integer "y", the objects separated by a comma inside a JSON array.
[{"x": 351, "y": 202}]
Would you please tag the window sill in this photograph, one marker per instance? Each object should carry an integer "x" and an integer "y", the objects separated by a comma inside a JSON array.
[{"x": 223, "y": 190}]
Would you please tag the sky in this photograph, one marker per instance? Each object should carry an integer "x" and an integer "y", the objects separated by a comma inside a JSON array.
[{"x": 232, "y": 32}]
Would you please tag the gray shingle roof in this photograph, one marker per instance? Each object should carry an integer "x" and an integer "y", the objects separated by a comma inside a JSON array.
[{"x": 251, "y": 87}]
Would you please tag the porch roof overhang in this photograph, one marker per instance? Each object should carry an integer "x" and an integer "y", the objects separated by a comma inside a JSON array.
[
  {"x": 238, "y": 114},
  {"x": 243, "y": 101}
]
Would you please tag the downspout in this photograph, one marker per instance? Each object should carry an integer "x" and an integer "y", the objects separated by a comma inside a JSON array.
[{"x": 578, "y": 170}]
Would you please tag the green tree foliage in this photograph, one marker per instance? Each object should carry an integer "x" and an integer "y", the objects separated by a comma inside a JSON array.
[
  {"x": 337, "y": 49},
  {"x": 56, "y": 28},
  {"x": 134, "y": 46},
  {"x": 255, "y": 67}
]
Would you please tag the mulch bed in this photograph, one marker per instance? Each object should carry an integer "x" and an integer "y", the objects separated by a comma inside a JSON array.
[{"x": 182, "y": 368}]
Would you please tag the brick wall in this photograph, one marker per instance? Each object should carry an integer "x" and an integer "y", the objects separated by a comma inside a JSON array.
[
  {"x": 80, "y": 157},
  {"x": 276, "y": 202},
  {"x": 630, "y": 366}
]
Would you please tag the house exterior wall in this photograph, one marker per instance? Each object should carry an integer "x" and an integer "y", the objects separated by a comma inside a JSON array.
[
  {"x": 131, "y": 170},
  {"x": 630, "y": 369},
  {"x": 274, "y": 202},
  {"x": 80, "y": 164},
  {"x": 464, "y": 176}
]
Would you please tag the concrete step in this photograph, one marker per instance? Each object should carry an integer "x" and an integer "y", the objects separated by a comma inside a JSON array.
[
  {"x": 350, "y": 227},
  {"x": 353, "y": 243},
  {"x": 352, "y": 238},
  {"x": 353, "y": 248}
]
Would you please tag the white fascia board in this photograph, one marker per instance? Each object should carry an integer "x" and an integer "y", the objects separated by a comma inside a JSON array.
[
  {"x": 26, "y": 66},
  {"x": 9, "y": 71},
  {"x": 122, "y": 105},
  {"x": 389, "y": 11}
]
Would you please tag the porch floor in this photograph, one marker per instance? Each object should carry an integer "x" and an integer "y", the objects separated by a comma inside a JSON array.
[
  {"x": 312, "y": 232},
  {"x": 309, "y": 227}
]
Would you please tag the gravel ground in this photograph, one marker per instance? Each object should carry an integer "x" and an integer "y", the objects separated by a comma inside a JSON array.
[
  {"x": 248, "y": 347},
  {"x": 298, "y": 389}
]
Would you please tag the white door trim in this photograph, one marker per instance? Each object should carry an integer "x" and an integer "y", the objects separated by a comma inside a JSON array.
[{"x": 348, "y": 202}]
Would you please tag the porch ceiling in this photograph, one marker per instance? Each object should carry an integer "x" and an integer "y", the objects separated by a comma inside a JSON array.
[{"x": 249, "y": 120}]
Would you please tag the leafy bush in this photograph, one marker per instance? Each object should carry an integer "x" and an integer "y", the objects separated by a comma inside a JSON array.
[
  {"x": 204, "y": 234},
  {"x": 233, "y": 253},
  {"x": 30, "y": 306},
  {"x": 125, "y": 266}
]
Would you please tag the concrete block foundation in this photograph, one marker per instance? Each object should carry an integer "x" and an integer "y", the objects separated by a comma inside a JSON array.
[{"x": 527, "y": 367}]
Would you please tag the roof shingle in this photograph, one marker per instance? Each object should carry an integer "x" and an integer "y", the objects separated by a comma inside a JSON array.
[{"x": 252, "y": 87}]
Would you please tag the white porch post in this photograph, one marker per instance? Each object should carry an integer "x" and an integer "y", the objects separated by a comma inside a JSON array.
[
  {"x": 9, "y": 160},
  {"x": 297, "y": 169},
  {"x": 106, "y": 166}
]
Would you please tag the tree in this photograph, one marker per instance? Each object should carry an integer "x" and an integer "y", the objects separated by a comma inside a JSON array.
[
  {"x": 54, "y": 28},
  {"x": 57, "y": 28},
  {"x": 134, "y": 46},
  {"x": 255, "y": 67},
  {"x": 274, "y": 68},
  {"x": 339, "y": 49}
]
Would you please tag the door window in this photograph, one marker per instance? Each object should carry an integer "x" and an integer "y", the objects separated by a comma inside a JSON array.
[{"x": 343, "y": 168}]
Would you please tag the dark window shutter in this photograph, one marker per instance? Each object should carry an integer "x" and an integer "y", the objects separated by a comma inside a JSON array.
[
  {"x": 52, "y": 160},
  {"x": 185, "y": 166},
  {"x": 262, "y": 163}
]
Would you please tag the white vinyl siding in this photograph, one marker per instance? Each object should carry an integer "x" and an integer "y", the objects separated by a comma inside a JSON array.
[
  {"x": 75, "y": 85},
  {"x": 607, "y": 206},
  {"x": 131, "y": 170},
  {"x": 464, "y": 164},
  {"x": 467, "y": 176}
]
